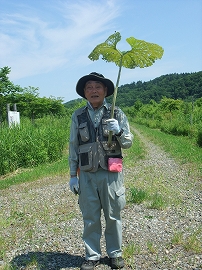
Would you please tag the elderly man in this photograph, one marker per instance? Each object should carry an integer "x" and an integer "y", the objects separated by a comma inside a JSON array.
[{"x": 99, "y": 182}]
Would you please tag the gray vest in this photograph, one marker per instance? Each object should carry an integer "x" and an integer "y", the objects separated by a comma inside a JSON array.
[{"x": 93, "y": 142}]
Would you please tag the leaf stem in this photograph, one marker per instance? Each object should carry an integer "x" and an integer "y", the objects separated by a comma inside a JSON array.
[{"x": 114, "y": 100}]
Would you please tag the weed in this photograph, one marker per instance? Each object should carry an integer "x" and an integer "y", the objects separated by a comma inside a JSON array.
[
  {"x": 151, "y": 247},
  {"x": 149, "y": 217},
  {"x": 137, "y": 195},
  {"x": 189, "y": 243},
  {"x": 128, "y": 254},
  {"x": 177, "y": 238},
  {"x": 158, "y": 202},
  {"x": 130, "y": 250},
  {"x": 193, "y": 243}
]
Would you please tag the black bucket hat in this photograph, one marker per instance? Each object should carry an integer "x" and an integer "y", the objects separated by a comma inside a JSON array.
[{"x": 93, "y": 76}]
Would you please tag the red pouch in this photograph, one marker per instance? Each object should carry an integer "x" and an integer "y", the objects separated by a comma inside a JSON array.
[{"x": 115, "y": 164}]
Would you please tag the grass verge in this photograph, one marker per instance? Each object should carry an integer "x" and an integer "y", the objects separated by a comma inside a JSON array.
[
  {"x": 181, "y": 148},
  {"x": 35, "y": 173}
]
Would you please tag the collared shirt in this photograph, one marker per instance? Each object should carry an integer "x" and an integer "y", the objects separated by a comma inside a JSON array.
[
  {"x": 96, "y": 115},
  {"x": 125, "y": 140}
]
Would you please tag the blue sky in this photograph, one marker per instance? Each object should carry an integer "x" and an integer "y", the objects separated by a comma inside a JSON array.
[{"x": 47, "y": 42}]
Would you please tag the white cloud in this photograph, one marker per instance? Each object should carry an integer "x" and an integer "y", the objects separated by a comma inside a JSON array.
[{"x": 36, "y": 44}]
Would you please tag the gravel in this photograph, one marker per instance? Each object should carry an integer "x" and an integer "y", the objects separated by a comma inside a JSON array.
[{"x": 42, "y": 223}]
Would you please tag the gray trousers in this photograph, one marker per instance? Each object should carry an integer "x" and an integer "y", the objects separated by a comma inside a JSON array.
[{"x": 101, "y": 190}]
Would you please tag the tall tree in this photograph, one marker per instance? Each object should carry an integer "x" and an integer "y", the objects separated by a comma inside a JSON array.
[{"x": 6, "y": 86}]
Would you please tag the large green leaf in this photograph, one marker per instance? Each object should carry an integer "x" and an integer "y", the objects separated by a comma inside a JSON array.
[
  {"x": 108, "y": 50},
  {"x": 143, "y": 54}
]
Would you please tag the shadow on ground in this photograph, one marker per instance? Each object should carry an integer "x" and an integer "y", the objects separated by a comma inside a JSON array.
[{"x": 48, "y": 261}]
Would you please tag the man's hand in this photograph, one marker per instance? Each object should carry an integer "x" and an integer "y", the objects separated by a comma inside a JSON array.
[
  {"x": 113, "y": 125},
  {"x": 74, "y": 184}
]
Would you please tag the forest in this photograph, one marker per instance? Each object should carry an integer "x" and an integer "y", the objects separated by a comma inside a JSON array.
[{"x": 184, "y": 86}]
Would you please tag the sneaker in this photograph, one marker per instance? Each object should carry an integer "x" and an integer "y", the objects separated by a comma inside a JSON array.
[
  {"x": 89, "y": 265},
  {"x": 117, "y": 263}
]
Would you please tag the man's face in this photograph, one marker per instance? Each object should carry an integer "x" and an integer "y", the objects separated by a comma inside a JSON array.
[{"x": 95, "y": 93}]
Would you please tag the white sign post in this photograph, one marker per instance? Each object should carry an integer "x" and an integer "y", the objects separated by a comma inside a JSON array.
[{"x": 13, "y": 117}]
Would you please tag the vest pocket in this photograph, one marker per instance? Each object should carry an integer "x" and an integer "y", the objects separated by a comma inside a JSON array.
[
  {"x": 83, "y": 131},
  {"x": 86, "y": 157}
]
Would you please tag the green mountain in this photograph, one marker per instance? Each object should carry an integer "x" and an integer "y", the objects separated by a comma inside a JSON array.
[{"x": 185, "y": 86}]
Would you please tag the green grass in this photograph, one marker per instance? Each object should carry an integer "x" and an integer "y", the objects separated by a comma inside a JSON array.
[
  {"x": 134, "y": 153},
  {"x": 177, "y": 238},
  {"x": 137, "y": 195},
  {"x": 191, "y": 242},
  {"x": 151, "y": 247},
  {"x": 129, "y": 253},
  {"x": 182, "y": 148},
  {"x": 32, "y": 144},
  {"x": 158, "y": 202},
  {"x": 28, "y": 175}
]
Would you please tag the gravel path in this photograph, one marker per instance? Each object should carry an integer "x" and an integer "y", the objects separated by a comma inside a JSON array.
[{"x": 43, "y": 226}]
